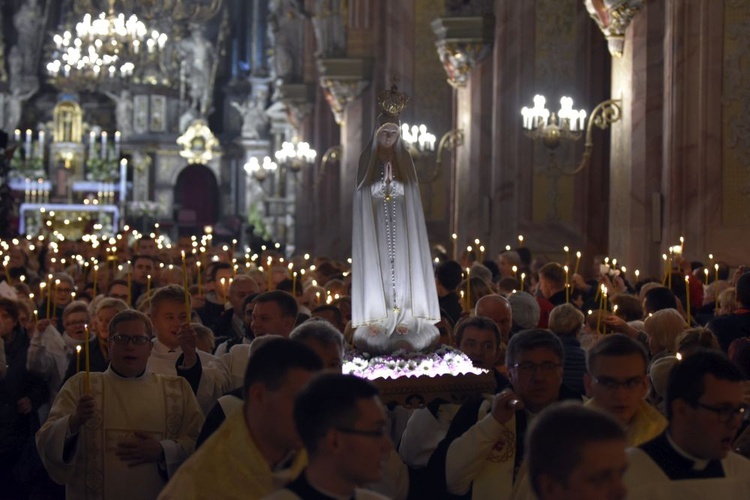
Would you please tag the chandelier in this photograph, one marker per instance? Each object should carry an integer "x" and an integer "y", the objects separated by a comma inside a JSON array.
[{"x": 103, "y": 49}]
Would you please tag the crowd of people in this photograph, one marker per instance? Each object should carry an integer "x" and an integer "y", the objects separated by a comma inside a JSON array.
[{"x": 135, "y": 368}]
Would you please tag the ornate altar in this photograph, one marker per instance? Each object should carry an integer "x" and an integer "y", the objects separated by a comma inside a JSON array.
[{"x": 77, "y": 176}]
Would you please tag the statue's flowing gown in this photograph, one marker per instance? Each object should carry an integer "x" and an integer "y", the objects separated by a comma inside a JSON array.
[{"x": 394, "y": 299}]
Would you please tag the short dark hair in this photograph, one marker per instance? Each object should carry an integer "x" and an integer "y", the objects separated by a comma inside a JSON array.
[
  {"x": 130, "y": 315},
  {"x": 10, "y": 306},
  {"x": 330, "y": 308},
  {"x": 248, "y": 299},
  {"x": 215, "y": 268},
  {"x": 553, "y": 272},
  {"x": 687, "y": 379},
  {"x": 629, "y": 307},
  {"x": 138, "y": 257},
  {"x": 329, "y": 402},
  {"x": 742, "y": 289},
  {"x": 448, "y": 274},
  {"x": 557, "y": 437},
  {"x": 271, "y": 362},
  {"x": 536, "y": 338},
  {"x": 114, "y": 283},
  {"x": 615, "y": 345},
  {"x": 286, "y": 301},
  {"x": 659, "y": 298},
  {"x": 478, "y": 322}
]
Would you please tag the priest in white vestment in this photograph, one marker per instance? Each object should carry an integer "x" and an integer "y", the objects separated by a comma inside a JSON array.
[
  {"x": 122, "y": 437},
  {"x": 693, "y": 458},
  {"x": 175, "y": 351}
]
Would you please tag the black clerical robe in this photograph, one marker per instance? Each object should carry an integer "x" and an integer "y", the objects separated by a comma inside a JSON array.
[{"x": 659, "y": 470}]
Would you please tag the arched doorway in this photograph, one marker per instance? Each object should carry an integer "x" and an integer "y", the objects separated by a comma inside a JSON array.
[{"x": 196, "y": 199}]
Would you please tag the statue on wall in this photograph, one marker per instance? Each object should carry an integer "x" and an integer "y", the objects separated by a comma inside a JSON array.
[
  {"x": 14, "y": 106},
  {"x": 123, "y": 111},
  {"x": 253, "y": 113},
  {"x": 286, "y": 30},
  {"x": 328, "y": 25},
  {"x": 28, "y": 24},
  {"x": 198, "y": 56},
  {"x": 394, "y": 299}
]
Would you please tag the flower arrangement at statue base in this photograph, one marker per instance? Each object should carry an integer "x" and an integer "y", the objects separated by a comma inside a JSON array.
[{"x": 414, "y": 379}]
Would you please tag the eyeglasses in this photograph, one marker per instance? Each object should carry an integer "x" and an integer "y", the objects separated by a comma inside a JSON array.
[
  {"x": 612, "y": 384},
  {"x": 125, "y": 339},
  {"x": 378, "y": 434},
  {"x": 531, "y": 368},
  {"x": 726, "y": 414}
]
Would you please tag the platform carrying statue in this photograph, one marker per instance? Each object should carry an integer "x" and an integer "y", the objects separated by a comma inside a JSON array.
[{"x": 394, "y": 299}]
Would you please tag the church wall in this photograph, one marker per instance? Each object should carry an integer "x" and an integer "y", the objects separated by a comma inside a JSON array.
[
  {"x": 637, "y": 145},
  {"x": 554, "y": 49},
  {"x": 735, "y": 141},
  {"x": 679, "y": 156}
]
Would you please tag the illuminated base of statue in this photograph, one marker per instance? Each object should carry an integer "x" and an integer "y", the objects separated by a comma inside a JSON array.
[
  {"x": 414, "y": 379},
  {"x": 382, "y": 337}
]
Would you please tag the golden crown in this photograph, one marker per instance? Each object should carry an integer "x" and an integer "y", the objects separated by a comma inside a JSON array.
[{"x": 392, "y": 102}]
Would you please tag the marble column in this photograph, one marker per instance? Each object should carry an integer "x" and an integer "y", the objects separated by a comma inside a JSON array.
[{"x": 636, "y": 162}]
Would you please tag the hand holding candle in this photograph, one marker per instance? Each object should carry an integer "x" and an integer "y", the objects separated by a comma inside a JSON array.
[
  {"x": 87, "y": 360},
  {"x": 187, "y": 292}
]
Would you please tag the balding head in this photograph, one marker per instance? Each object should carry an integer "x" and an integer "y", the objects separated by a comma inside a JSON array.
[{"x": 497, "y": 308}]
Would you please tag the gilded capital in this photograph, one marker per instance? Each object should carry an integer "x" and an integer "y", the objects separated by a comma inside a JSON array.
[
  {"x": 461, "y": 43},
  {"x": 613, "y": 18}
]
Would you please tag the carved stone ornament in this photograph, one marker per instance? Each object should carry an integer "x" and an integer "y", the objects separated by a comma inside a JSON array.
[
  {"x": 461, "y": 43},
  {"x": 342, "y": 81},
  {"x": 198, "y": 143},
  {"x": 298, "y": 99},
  {"x": 613, "y": 18}
]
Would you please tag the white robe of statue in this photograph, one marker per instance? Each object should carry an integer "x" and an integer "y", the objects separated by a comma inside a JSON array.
[{"x": 394, "y": 299}]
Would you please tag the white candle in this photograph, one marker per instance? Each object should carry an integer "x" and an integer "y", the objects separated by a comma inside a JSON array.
[
  {"x": 92, "y": 142},
  {"x": 117, "y": 143},
  {"x": 17, "y": 135},
  {"x": 123, "y": 178},
  {"x": 27, "y": 147},
  {"x": 41, "y": 142},
  {"x": 104, "y": 145}
]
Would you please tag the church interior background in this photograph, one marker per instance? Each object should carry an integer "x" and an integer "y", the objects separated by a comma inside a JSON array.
[{"x": 250, "y": 115}]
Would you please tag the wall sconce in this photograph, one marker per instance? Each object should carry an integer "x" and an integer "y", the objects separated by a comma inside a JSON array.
[
  {"x": 568, "y": 124},
  {"x": 260, "y": 171},
  {"x": 332, "y": 154},
  {"x": 295, "y": 155},
  {"x": 421, "y": 143}
]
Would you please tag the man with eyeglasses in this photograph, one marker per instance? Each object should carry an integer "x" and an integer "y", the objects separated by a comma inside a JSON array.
[
  {"x": 123, "y": 432},
  {"x": 483, "y": 451},
  {"x": 257, "y": 449},
  {"x": 343, "y": 426},
  {"x": 693, "y": 458},
  {"x": 617, "y": 383}
]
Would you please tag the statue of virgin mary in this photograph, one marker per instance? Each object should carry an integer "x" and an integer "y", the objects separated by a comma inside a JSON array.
[{"x": 394, "y": 299}]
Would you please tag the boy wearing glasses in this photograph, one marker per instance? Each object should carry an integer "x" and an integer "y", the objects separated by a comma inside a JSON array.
[
  {"x": 617, "y": 383},
  {"x": 482, "y": 453},
  {"x": 693, "y": 458},
  {"x": 126, "y": 432}
]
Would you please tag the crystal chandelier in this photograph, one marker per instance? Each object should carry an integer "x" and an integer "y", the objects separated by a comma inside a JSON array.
[{"x": 103, "y": 49}]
